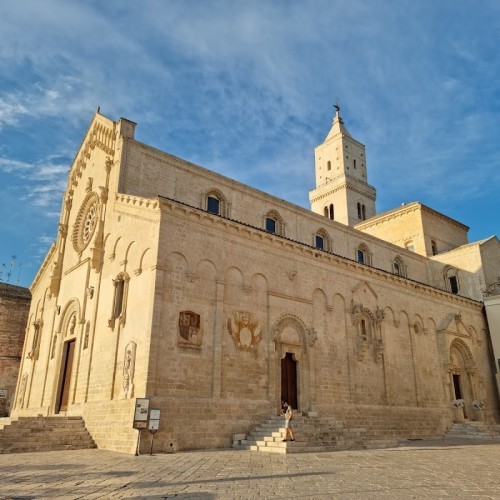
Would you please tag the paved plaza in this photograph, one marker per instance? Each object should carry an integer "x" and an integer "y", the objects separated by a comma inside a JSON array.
[{"x": 424, "y": 469}]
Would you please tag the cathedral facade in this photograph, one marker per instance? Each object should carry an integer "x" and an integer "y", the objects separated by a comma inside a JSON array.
[{"x": 217, "y": 301}]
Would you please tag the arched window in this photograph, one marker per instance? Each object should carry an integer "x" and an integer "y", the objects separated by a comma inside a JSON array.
[
  {"x": 451, "y": 279},
  {"x": 363, "y": 333},
  {"x": 434, "y": 247},
  {"x": 274, "y": 223},
  {"x": 331, "y": 212},
  {"x": 270, "y": 225},
  {"x": 329, "y": 165},
  {"x": 363, "y": 255},
  {"x": 399, "y": 267},
  {"x": 361, "y": 211},
  {"x": 319, "y": 242},
  {"x": 322, "y": 240},
  {"x": 354, "y": 162},
  {"x": 118, "y": 312},
  {"x": 325, "y": 212},
  {"x": 215, "y": 203}
]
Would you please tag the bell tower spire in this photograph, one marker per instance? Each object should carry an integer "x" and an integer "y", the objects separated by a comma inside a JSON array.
[{"x": 342, "y": 191}]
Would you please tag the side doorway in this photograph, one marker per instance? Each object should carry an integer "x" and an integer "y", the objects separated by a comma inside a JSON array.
[
  {"x": 289, "y": 380},
  {"x": 65, "y": 385}
]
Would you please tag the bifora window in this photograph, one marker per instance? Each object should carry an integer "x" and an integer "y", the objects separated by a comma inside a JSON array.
[
  {"x": 329, "y": 211},
  {"x": 361, "y": 211}
]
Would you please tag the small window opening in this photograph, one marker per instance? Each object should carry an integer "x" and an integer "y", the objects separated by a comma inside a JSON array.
[
  {"x": 329, "y": 165},
  {"x": 434, "y": 247},
  {"x": 453, "y": 284},
  {"x": 270, "y": 225},
  {"x": 213, "y": 205},
  {"x": 320, "y": 242},
  {"x": 331, "y": 212}
]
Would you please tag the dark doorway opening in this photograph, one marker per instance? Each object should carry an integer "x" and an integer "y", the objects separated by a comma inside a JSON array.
[
  {"x": 69, "y": 354},
  {"x": 456, "y": 386},
  {"x": 289, "y": 380}
]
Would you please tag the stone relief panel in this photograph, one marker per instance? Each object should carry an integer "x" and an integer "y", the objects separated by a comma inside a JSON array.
[
  {"x": 245, "y": 329},
  {"x": 369, "y": 334},
  {"x": 22, "y": 392},
  {"x": 190, "y": 331},
  {"x": 127, "y": 391}
]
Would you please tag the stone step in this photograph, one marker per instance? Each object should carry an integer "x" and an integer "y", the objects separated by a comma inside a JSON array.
[{"x": 28, "y": 434}]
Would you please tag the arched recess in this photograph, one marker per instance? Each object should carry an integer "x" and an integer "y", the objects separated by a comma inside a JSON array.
[
  {"x": 144, "y": 261},
  {"x": 131, "y": 255},
  {"x": 115, "y": 248},
  {"x": 233, "y": 290},
  {"x": 291, "y": 345}
]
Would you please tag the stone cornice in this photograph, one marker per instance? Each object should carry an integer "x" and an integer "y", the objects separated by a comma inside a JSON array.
[
  {"x": 43, "y": 267},
  {"x": 303, "y": 249},
  {"x": 414, "y": 206}
]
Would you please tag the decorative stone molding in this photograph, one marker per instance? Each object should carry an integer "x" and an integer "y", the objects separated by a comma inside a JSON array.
[
  {"x": 190, "y": 333},
  {"x": 245, "y": 329}
]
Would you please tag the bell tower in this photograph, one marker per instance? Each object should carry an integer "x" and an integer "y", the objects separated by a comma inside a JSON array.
[{"x": 342, "y": 191}]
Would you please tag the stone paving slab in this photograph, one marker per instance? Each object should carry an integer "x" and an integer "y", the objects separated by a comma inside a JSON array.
[{"x": 422, "y": 469}]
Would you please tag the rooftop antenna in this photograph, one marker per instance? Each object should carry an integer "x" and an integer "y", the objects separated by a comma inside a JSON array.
[
  {"x": 2, "y": 270},
  {"x": 12, "y": 259},
  {"x": 19, "y": 273}
]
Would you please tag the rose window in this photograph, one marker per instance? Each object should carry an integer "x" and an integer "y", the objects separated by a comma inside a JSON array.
[{"x": 86, "y": 222}]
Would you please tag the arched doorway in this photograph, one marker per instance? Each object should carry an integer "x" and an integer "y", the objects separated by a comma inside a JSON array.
[
  {"x": 292, "y": 377},
  {"x": 462, "y": 369},
  {"x": 289, "y": 380}
]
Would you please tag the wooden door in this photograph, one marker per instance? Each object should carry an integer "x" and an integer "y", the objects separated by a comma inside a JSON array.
[
  {"x": 66, "y": 376},
  {"x": 289, "y": 380}
]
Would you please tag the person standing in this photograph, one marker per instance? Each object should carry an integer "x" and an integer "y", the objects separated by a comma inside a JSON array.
[{"x": 288, "y": 423}]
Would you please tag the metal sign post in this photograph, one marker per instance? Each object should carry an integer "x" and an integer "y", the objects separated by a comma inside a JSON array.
[
  {"x": 154, "y": 425},
  {"x": 140, "y": 418}
]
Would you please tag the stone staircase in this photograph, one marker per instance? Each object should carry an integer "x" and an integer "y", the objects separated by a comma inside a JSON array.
[
  {"x": 312, "y": 434},
  {"x": 472, "y": 430},
  {"x": 29, "y": 434}
]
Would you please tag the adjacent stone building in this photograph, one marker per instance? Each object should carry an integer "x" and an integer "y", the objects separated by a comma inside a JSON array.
[
  {"x": 14, "y": 309},
  {"x": 217, "y": 301}
]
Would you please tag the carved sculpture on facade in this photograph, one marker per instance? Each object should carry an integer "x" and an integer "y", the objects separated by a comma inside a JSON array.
[
  {"x": 22, "y": 392},
  {"x": 35, "y": 344},
  {"x": 245, "y": 329},
  {"x": 190, "y": 332},
  {"x": 127, "y": 391},
  {"x": 54, "y": 345},
  {"x": 87, "y": 334}
]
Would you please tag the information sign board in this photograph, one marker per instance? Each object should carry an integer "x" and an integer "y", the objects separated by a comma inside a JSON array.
[
  {"x": 141, "y": 413},
  {"x": 154, "y": 419},
  {"x": 3, "y": 393}
]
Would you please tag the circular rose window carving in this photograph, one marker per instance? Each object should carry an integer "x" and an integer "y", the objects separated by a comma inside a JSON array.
[{"x": 86, "y": 222}]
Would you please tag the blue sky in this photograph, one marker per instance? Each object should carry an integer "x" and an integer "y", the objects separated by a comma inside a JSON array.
[{"x": 246, "y": 88}]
